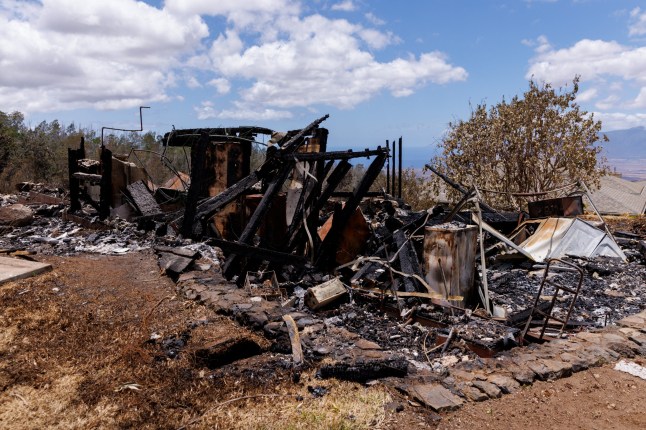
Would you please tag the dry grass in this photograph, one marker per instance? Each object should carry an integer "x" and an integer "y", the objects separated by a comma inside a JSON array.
[
  {"x": 345, "y": 406},
  {"x": 74, "y": 354}
]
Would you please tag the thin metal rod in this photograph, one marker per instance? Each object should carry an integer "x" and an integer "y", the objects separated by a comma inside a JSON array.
[
  {"x": 393, "y": 188},
  {"x": 141, "y": 124},
  {"x": 399, "y": 193},
  {"x": 388, "y": 168}
]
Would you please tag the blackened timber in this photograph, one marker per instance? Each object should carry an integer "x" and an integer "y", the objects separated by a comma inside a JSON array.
[
  {"x": 143, "y": 199},
  {"x": 254, "y": 222},
  {"x": 332, "y": 155},
  {"x": 210, "y": 206},
  {"x": 293, "y": 143},
  {"x": 349, "y": 193},
  {"x": 198, "y": 156},
  {"x": 295, "y": 230},
  {"x": 189, "y": 137},
  {"x": 311, "y": 191},
  {"x": 333, "y": 182},
  {"x": 90, "y": 177},
  {"x": 73, "y": 166},
  {"x": 106, "y": 183},
  {"x": 256, "y": 253},
  {"x": 331, "y": 241},
  {"x": 405, "y": 260}
]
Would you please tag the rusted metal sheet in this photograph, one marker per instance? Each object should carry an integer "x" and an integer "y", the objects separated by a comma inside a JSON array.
[
  {"x": 449, "y": 261},
  {"x": 561, "y": 207},
  {"x": 273, "y": 228},
  {"x": 353, "y": 238}
]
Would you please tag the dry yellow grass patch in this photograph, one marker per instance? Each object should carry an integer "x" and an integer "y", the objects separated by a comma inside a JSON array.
[
  {"x": 52, "y": 406},
  {"x": 345, "y": 406}
]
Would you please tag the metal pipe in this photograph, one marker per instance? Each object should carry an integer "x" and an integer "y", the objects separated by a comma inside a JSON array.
[
  {"x": 400, "y": 168},
  {"x": 388, "y": 168},
  {"x": 393, "y": 189}
]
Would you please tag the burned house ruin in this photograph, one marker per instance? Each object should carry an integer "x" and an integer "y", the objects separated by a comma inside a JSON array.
[{"x": 355, "y": 276}]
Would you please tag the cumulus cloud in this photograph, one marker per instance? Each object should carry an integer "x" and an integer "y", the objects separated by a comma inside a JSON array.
[
  {"x": 67, "y": 54},
  {"x": 614, "y": 73},
  {"x": 592, "y": 59},
  {"x": 321, "y": 61},
  {"x": 70, "y": 54}
]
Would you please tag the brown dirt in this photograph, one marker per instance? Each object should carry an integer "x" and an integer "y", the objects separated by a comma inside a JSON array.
[{"x": 75, "y": 353}]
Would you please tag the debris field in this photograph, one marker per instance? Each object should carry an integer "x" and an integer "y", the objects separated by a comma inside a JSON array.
[{"x": 443, "y": 307}]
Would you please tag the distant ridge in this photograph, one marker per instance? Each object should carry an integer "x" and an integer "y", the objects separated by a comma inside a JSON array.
[{"x": 628, "y": 144}]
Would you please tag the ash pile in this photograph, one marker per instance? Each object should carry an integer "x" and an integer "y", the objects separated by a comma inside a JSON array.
[{"x": 355, "y": 275}]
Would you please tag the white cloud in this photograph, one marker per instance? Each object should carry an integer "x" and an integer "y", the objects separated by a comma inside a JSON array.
[
  {"x": 67, "y": 54},
  {"x": 640, "y": 101},
  {"x": 206, "y": 110},
  {"x": 319, "y": 61},
  {"x": 587, "y": 95},
  {"x": 618, "y": 120},
  {"x": 192, "y": 82},
  {"x": 374, "y": 19},
  {"x": 592, "y": 59},
  {"x": 222, "y": 86},
  {"x": 72, "y": 54},
  {"x": 614, "y": 73},
  {"x": 346, "y": 6},
  {"x": 638, "y": 22}
]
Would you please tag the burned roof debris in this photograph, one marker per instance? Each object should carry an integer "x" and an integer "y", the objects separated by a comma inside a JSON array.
[{"x": 352, "y": 275}]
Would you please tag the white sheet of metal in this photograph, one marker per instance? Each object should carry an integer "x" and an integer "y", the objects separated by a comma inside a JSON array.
[{"x": 557, "y": 237}]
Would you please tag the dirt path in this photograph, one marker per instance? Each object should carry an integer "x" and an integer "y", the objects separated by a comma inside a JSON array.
[{"x": 103, "y": 342}]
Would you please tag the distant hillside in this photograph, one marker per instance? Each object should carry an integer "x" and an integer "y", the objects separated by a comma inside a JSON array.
[
  {"x": 628, "y": 144},
  {"x": 625, "y": 150}
]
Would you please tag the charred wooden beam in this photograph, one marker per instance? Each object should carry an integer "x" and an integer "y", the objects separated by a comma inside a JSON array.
[
  {"x": 349, "y": 193},
  {"x": 190, "y": 137},
  {"x": 198, "y": 155},
  {"x": 331, "y": 241},
  {"x": 106, "y": 183},
  {"x": 408, "y": 261},
  {"x": 332, "y": 155},
  {"x": 143, "y": 200},
  {"x": 333, "y": 182},
  {"x": 256, "y": 253},
  {"x": 254, "y": 222},
  {"x": 90, "y": 177},
  {"x": 366, "y": 370},
  {"x": 73, "y": 157},
  {"x": 209, "y": 207}
]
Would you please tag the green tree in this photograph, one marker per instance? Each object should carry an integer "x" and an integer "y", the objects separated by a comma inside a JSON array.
[{"x": 532, "y": 144}]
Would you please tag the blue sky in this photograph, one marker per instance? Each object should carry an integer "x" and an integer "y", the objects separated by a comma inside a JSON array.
[{"x": 381, "y": 69}]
